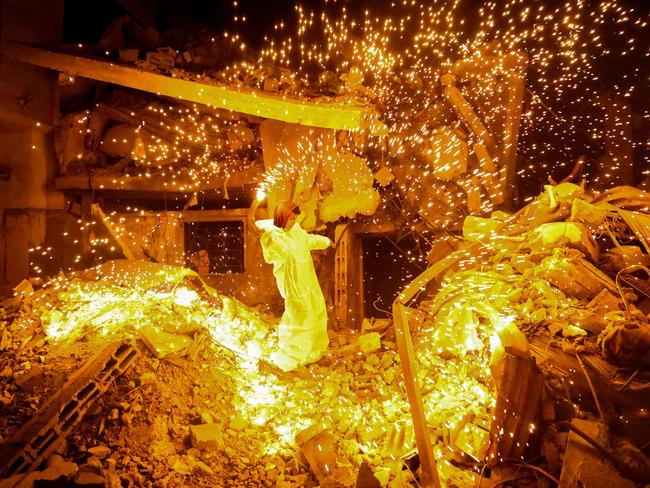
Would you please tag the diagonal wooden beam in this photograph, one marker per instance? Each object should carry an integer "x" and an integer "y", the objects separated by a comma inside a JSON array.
[
  {"x": 430, "y": 478},
  {"x": 329, "y": 115}
]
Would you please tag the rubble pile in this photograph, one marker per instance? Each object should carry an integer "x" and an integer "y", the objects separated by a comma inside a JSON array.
[
  {"x": 567, "y": 276},
  {"x": 198, "y": 405},
  {"x": 201, "y": 404}
]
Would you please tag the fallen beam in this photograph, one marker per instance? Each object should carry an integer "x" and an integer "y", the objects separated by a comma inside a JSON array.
[
  {"x": 430, "y": 478},
  {"x": 245, "y": 100},
  {"x": 97, "y": 211},
  {"x": 515, "y": 68},
  {"x": 32, "y": 444},
  {"x": 468, "y": 115}
]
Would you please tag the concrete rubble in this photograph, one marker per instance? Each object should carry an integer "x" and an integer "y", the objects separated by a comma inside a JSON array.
[{"x": 206, "y": 412}]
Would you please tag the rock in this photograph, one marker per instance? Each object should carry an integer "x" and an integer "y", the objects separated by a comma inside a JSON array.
[
  {"x": 182, "y": 467},
  {"x": 331, "y": 482},
  {"x": 366, "y": 478},
  {"x": 583, "y": 465},
  {"x": 238, "y": 423},
  {"x": 54, "y": 460},
  {"x": 29, "y": 380},
  {"x": 204, "y": 468},
  {"x": 207, "y": 417},
  {"x": 100, "y": 451},
  {"x": 369, "y": 342},
  {"x": 206, "y": 436},
  {"x": 5, "y": 339},
  {"x": 320, "y": 451},
  {"x": 88, "y": 479},
  {"x": 148, "y": 377}
]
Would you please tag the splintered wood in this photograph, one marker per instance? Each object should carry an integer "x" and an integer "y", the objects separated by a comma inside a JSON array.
[{"x": 519, "y": 389}]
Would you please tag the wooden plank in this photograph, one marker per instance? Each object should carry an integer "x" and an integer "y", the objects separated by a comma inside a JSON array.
[
  {"x": 488, "y": 174},
  {"x": 343, "y": 240},
  {"x": 407, "y": 356},
  {"x": 467, "y": 114},
  {"x": 519, "y": 390},
  {"x": 515, "y": 67},
  {"x": 99, "y": 213},
  {"x": 245, "y": 100}
]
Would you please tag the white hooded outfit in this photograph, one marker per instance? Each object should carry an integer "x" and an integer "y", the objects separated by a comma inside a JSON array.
[{"x": 302, "y": 332}]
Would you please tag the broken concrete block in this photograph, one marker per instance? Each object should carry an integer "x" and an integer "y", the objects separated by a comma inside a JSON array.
[
  {"x": 29, "y": 380},
  {"x": 99, "y": 451},
  {"x": 320, "y": 451},
  {"x": 384, "y": 176},
  {"x": 89, "y": 479},
  {"x": 162, "y": 343},
  {"x": 366, "y": 478},
  {"x": 206, "y": 436},
  {"x": 56, "y": 475},
  {"x": 369, "y": 342},
  {"x": 583, "y": 465}
]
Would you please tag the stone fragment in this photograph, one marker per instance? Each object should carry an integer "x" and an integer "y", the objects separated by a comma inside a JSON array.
[
  {"x": 369, "y": 342},
  {"x": 320, "y": 451},
  {"x": 238, "y": 423},
  {"x": 366, "y": 478},
  {"x": 99, "y": 451},
  {"x": 89, "y": 479},
  {"x": 206, "y": 436},
  {"x": 207, "y": 417},
  {"x": 384, "y": 176},
  {"x": 29, "y": 380}
]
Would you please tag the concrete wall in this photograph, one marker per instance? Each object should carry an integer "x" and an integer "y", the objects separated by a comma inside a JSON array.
[
  {"x": 28, "y": 110},
  {"x": 162, "y": 235}
]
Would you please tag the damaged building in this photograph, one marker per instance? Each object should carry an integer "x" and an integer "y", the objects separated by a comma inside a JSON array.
[{"x": 362, "y": 262}]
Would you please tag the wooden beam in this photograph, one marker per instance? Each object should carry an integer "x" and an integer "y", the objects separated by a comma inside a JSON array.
[
  {"x": 329, "y": 115},
  {"x": 99, "y": 213},
  {"x": 515, "y": 68},
  {"x": 467, "y": 114},
  {"x": 430, "y": 478}
]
